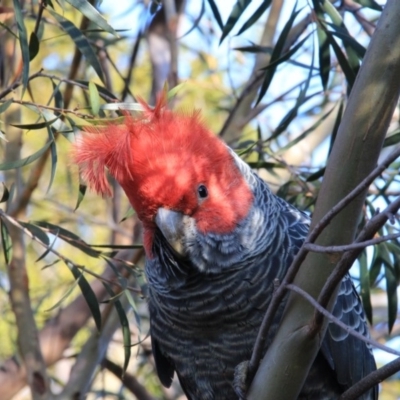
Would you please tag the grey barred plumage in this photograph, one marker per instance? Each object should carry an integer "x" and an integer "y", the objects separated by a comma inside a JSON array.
[{"x": 206, "y": 308}]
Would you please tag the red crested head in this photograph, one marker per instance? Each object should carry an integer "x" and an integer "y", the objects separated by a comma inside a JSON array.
[{"x": 167, "y": 159}]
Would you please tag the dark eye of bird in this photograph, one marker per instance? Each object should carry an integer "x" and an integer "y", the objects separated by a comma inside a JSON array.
[{"x": 202, "y": 191}]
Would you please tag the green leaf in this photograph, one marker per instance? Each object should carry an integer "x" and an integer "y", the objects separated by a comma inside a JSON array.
[
  {"x": 154, "y": 6},
  {"x": 94, "y": 98},
  {"x": 6, "y": 193},
  {"x": 126, "y": 333},
  {"x": 67, "y": 293},
  {"x": 24, "y": 161},
  {"x": 130, "y": 212},
  {"x": 391, "y": 290},
  {"x": 23, "y": 42},
  {"x": 348, "y": 41},
  {"x": 48, "y": 250},
  {"x": 370, "y": 4},
  {"x": 69, "y": 237},
  {"x": 365, "y": 291},
  {"x": 216, "y": 13},
  {"x": 172, "y": 92},
  {"x": 87, "y": 293},
  {"x": 5, "y": 105},
  {"x": 58, "y": 98},
  {"x": 336, "y": 126},
  {"x": 39, "y": 125},
  {"x": 324, "y": 54},
  {"x": 6, "y": 242},
  {"x": 256, "y": 15},
  {"x": 276, "y": 53},
  {"x": 348, "y": 71},
  {"x": 305, "y": 133},
  {"x": 33, "y": 46},
  {"x": 287, "y": 55},
  {"x": 316, "y": 175},
  {"x": 376, "y": 265},
  {"x": 393, "y": 139},
  {"x": 53, "y": 154},
  {"x": 107, "y": 95},
  {"x": 81, "y": 195},
  {"x": 92, "y": 14},
  {"x": 235, "y": 14},
  {"x": 255, "y": 49},
  {"x": 80, "y": 41},
  {"x": 36, "y": 231}
]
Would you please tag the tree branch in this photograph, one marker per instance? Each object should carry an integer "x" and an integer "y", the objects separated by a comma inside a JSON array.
[
  {"x": 372, "y": 379},
  {"x": 354, "y": 246}
]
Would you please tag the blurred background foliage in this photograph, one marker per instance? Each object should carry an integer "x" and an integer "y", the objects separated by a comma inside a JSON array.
[{"x": 271, "y": 77}]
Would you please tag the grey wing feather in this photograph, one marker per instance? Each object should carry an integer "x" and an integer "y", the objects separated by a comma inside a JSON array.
[
  {"x": 350, "y": 357},
  {"x": 165, "y": 368}
]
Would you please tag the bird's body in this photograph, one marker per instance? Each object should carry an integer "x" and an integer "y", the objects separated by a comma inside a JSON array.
[{"x": 216, "y": 240}]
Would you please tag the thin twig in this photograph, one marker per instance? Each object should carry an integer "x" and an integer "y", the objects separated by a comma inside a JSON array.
[
  {"x": 128, "y": 380},
  {"x": 338, "y": 322},
  {"x": 315, "y": 248},
  {"x": 66, "y": 259}
]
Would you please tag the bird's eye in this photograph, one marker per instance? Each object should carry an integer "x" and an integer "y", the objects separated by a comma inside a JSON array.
[{"x": 202, "y": 191}]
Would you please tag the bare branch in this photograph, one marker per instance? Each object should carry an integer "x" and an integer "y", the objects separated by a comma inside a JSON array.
[
  {"x": 372, "y": 379},
  {"x": 129, "y": 381},
  {"x": 354, "y": 246},
  {"x": 337, "y": 321}
]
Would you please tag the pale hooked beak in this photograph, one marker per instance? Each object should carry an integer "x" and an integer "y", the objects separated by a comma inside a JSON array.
[{"x": 171, "y": 225}]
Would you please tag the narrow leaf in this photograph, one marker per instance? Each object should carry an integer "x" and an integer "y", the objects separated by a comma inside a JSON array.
[
  {"x": 128, "y": 214},
  {"x": 54, "y": 158},
  {"x": 33, "y": 46},
  {"x": 39, "y": 125},
  {"x": 36, "y": 231},
  {"x": 6, "y": 242},
  {"x": 394, "y": 138},
  {"x": 69, "y": 237},
  {"x": 80, "y": 41},
  {"x": 256, "y": 15},
  {"x": 235, "y": 14},
  {"x": 94, "y": 98},
  {"x": 216, "y": 13},
  {"x": 87, "y": 293},
  {"x": 24, "y": 161},
  {"x": 126, "y": 333},
  {"x": 48, "y": 250},
  {"x": 23, "y": 42},
  {"x": 343, "y": 62},
  {"x": 365, "y": 291},
  {"x": 102, "y": 90},
  {"x": 391, "y": 290},
  {"x": 370, "y": 4},
  {"x": 276, "y": 53},
  {"x": 324, "y": 55},
  {"x": 5, "y": 105},
  {"x": 92, "y": 14},
  {"x": 67, "y": 293},
  {"x": 81, "y": 195},
  {"x": 6, "y": 193}
]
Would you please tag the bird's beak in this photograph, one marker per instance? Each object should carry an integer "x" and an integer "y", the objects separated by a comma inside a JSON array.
[{"x": 171, "y": 225}]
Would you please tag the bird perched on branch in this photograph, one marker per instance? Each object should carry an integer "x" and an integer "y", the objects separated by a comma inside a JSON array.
[{"x": 216, "y": 238}]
